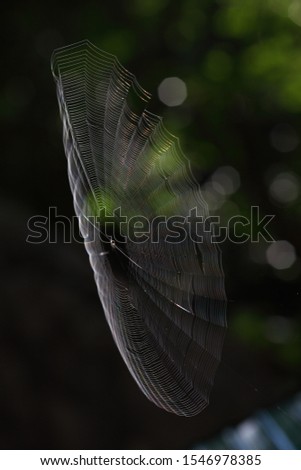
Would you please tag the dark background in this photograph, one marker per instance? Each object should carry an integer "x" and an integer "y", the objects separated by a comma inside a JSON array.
[{"x": 62, "y": 381}]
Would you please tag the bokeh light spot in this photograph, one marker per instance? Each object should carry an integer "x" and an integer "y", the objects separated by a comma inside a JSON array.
[
  {"x": 172, "y": 91},
  {"x": 281, "y": 254},
  {"x": 213, "y": 197},
  {"x": 294, "y": 12},
  {"x": 248, "y": 430},
  {"x": 226, "y": 180},
  {"x": 284, "y": 188}
]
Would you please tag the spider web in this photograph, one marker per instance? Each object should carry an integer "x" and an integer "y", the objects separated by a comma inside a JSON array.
[{"x": 165, "y": 302}]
